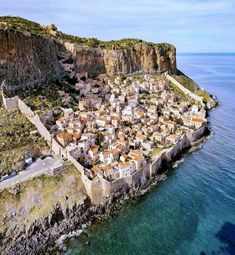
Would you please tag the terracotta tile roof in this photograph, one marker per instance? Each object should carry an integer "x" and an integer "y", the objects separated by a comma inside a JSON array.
[
  {"x": 96, "y": 169},
  {"x": 107, "y": 168},
  {"x": 116, "y": 118},
  {"x": 124, "y": 165},
  {"x": 198, "y": 120},
  {"x": 140, "y": 136},
  {"x": 169, "y": 122},
  {"x": 83, "y": 119},
  {"x": 109, "y": 152},
  {"x": 95, "y": 149},
  {"x": 75, "y": 135},
  {"x": 64, "y": 135}
]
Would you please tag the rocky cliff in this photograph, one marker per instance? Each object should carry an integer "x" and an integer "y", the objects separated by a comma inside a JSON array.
[
  {"x": 31, "y": 53},
  {"x": 138, "y": 57},
  {"x": 26, "y": 58}
]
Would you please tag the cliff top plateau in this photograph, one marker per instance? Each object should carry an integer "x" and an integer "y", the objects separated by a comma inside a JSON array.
[{"x": 24, "y": 25}]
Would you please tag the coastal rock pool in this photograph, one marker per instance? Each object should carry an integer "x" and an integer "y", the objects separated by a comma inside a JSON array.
[{"x": 193, "y": 211}]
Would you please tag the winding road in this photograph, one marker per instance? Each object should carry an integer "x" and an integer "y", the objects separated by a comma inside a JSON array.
[{"x": 39, "y": 167}]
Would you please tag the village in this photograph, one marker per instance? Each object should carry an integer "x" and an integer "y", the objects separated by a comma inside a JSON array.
[{"x": 123, "y": 123}]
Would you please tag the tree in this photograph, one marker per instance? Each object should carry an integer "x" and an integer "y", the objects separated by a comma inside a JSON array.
[
  {"x": 93, "y": 42},
  {"x": 100, "y": 138}
]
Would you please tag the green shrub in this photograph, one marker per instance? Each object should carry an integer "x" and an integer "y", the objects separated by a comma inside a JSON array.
[{"x": 192, "y": 86}]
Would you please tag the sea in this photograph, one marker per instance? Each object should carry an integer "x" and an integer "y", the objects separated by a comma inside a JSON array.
[{"x": 192, "y": 212}]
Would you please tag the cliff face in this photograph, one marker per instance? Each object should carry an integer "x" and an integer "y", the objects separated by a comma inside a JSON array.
[
  {"x": 137, "y": 58},
  {"x": 26, "y": 59}
]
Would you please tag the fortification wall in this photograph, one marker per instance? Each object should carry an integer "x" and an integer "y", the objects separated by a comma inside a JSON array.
[
  {"x": 150, "y": 170},
  {"x": 95, "y": 190},
  {"x": 128, "y": 180},
  {"x": 185, "y": 90},
  {"x": 25, "y": 110},
  {"x": 156, "y": 164},
  {"x": 196, "y": 134},
  {"x": 106, "y": 187},
  {"x": 138, "y": 178},
  {"x": 76, "y": 163},
  {"x": 10, "y": 104},
  {"x": 57, "y": 149},
  {"x": 186, "y": 141},
  {"x": 35, "y": 120},
  {"x": 114, "y": 186},
  {"x": 94, "y": 187}
]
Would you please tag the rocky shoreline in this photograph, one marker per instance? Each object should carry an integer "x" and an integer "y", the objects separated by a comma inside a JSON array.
[
  {"x": 54, "y": 229},
  {"x": 114, "y": 204}
]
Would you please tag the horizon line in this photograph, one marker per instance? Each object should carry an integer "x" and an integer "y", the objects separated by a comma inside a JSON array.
[{"x": 197, "y": 53}]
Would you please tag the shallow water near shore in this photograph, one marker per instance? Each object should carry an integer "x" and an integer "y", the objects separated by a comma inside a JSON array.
[{"x": 193, "y": 210}]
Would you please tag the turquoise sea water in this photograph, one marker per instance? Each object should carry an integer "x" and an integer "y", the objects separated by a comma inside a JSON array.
[{"x": 193, "y": 210}]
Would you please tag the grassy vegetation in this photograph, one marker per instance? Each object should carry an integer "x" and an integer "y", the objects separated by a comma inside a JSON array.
[
  {"x": 51, "y": 183},
  {"x": 154, "y": 152},
  {"x": 174, "y": 89},
  {"x": 137, "y": 76},
  {"x": 24, "y": 25},
  {"x": 39, "y": 195},
  {"x": 192, "y": 86},
  {"x": 46, "y": 98},
  {"x": 16, "y": 142}
]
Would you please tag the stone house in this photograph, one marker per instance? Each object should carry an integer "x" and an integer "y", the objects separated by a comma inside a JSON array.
[
  {"x": 126, "y": 168},
  {"x": 116, "y": 121},
  {"x": 94, "y": 153},
  {"x": 137, "y": 158},
  {"x": 73, "y": 150},
  {"x": 64, "y": 138},
  {"x": 109, "y": 156},
  {"x": 108, "y": 171},
  {"x": 62, "y": 123},
  {"x": 158, "y": 137},
  {"x": 171, "y": 125},
  {"x": 140, "y": 137},
  {"x": 68, "y": 113},
  {"x": 147, "y": 145},
  {"x": 56, "y": 168},
  {"x": 194, "y": 109},
  {"x": 197, "y": 123}
]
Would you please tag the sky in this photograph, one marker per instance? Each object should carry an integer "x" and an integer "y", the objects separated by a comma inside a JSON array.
[{"x": 190, "y": 25}]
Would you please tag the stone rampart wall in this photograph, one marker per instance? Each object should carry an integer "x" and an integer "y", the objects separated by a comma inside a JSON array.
[
  {"x": 138, "y": 177},
  {"x": 109, "y": 188},
  {"x": 185, "y": 90},
  {"x": 10, "y": 104},
  {"x": 35, "y": 120},
  {"x": 156, "y": 164},
  {"x": 196, "y": 134},
  {"x": 170, "y": 154}
]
